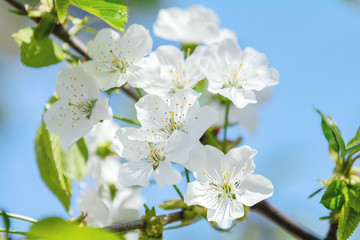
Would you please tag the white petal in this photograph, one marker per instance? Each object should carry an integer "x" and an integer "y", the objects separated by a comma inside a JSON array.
[
  {"x": 247, "y": 117},
  {"x": 199, "y": 120},
  {"x": 257, "y": 188},
  {"x": 101, "y": 111},
  {"x": 212, "y": 164},
  {"x": 273, "y": 76},
  {"x": 197, "y": 158},
  {"x": 105, "y": 41},
  {"x": 170, "y": 55},
  {"x": 75, "y": 85},
  {"x": 226, "y": 212},
  {"x": 178, "y": 147},
  {"x": 200, "y": 194},
  {"x": 104, "y": 75},
  {"x": 180, "y": 103},
  {"x": 241, "y": 159},
  {"x": 239, "y": 97},
  {"x": 134, "y": 173},
  {"x": 135, "y": 43},
  {"x": 166, "y": 174},
  {"x": 129, "y": 149},
  {"x": 98, "y": 211}
]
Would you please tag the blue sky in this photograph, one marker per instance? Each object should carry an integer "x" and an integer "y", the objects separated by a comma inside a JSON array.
[{"x": 315, "y": 47}]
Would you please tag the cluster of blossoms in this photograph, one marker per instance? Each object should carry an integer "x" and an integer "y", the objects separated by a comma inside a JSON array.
[{"x": 172, "y": 120}]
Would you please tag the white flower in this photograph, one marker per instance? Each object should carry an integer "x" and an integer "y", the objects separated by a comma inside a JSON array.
[
  {"x": 226, "y": 183},
  {"x": 79, "y": 108},
  {"x": 103, "y": 163},
  {"x": 104, "y": 209},
  {"x": 223, "y": 34},
  {"x": 175, "y": 73},
  {"x": 115, "y": 57},
  {"x": 193, "y": 25},
  {"x": 146, "y": 159},
  {"x": 159, "y": 117},
  {"x": 247, "y": 117},
  {"x": 236, "y": 74}
]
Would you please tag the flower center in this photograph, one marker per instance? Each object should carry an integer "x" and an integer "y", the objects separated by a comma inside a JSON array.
[
  {"x": 234, "y": 80},
  {"x": 120, "y": 65},
  {"x": 155, "y": 156},
  {"x": 85, "y": 108},
  {"x": 178, "y": 80},
  {"x": 172, "y": 125}
]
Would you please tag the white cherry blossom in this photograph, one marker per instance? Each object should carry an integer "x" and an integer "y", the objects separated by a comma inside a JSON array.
[
  {"x": 103, "y": 209},
  {"x": 237, "y": 74},
  {"x": 145, "y": 159},
  {"x": 181, "y": 111},
  {"x": 223, "y": 34},
  {"x": 103, "y": 167},
  {"x": 115, "y": 57},
  {"x": 193, "y": 25},
  {"x": 226, "y": 183},
  {"x": 171, "y": 71},
  {"x": 79, "y": 109}
]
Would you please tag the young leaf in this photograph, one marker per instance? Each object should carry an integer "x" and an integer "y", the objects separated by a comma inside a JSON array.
[
  {"x": 57, "y": 229},
  {"x": 37, "y": 53},
  {"x": 353, "y": 197},
  {"x": 74, "y": 161},
  {"x": 355, "y": 141},
  {"x": 334, "y": 197},
  {"x": 316, "y": 192},
  {"x": 111, "y": 11},
  {"x": 349, "y": 219},
  {"x": 45, "y": 26},
  {"x": 332, "y": 133},
  {"x": 62, "y": 6},
  {"x": 48, "y": 154}
]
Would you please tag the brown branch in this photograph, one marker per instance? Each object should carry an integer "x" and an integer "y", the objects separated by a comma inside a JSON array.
[
  {"x": 73, "y": 41},
  {"x": 262, "y": 208},
  {"x": 284, "y": 222},
  {"x": 140, "y": 224},
  {"x": 332, "y": 234}
]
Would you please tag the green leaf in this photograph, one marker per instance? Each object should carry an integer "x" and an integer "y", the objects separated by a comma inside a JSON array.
[
  {"x": 355, "y": 141},
  {"x": 111, "y": 11},
  {"x": 37, "y": 53},
  {"x": 45, "y": 26},
  {"x": 48, "y": 154},
  {"x": 332, "y": 133},
  {"x": 6, "y": 219},
  {"x": 334, "y": 197},
  {"x": 353, "y": 197},
  {"x": 57, "y": 229},
  {"x": 349, "y": 219},
  {"x": 62, "y": 6},
  {"x": 74, "y": 161},
  {"x": 316, "y": 192}
]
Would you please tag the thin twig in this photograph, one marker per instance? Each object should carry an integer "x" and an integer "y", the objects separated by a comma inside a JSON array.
[
  {"x": 73, "y": 41},
  {"x": 284, "y": 222},
  {"x": 140, "y": 224}
]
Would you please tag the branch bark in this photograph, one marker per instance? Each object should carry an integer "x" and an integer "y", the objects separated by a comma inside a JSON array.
[
  {"x": 73, "y": 41},
  {"x": 332, "y": 234}
]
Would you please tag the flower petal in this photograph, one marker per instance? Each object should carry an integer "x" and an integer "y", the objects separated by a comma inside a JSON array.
[
  {"x": 226, "y": 212},
  {"x": 240, "y": 97},
  {"x": 166, "y": 174},
  {"x": 178, "y": 147},
  {"x": 200, "y": 194},
  {"x": 134, "y": 173},
  {"x": 105, "y": 41},
  {"x": 257, "y": 188},
  {"x": 127, "y": 148}
]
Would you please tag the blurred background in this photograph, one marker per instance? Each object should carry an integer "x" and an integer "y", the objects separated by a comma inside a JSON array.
[{"x": 313, "y": 44}]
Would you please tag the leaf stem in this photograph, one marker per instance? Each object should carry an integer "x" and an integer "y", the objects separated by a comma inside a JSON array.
[
  {"x": 139, "y": 92},
  {"x": 135, "y": 122},
  {"x": 226, "y": 123},
  {"x": 210, "y": 136},
  {"x": 178, "y": 191},
  {"x": 187, "y": 175},
  {"x": 13, "y": 231},
  {"x": 20, "y": 217}
]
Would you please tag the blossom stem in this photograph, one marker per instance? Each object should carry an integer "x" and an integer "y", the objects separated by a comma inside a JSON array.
[
  {"x": 20, "y": 217},
  {"x": 187, "y": 175},
  {"x": 139, "y": 92},
  {"x": 126, "y": 120},
  {"x": 210, "y": 136},
  {"x": 13, "y": 232},
  {"x": 226, "y": 123},
  {"x": 178, "y": 191}
]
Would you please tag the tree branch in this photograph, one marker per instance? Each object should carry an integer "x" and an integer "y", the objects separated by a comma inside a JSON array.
[
  {"x": 262, "y": 208},
  {"x": 73, "y": 41},
  {"x": 332, "y": 234}
]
